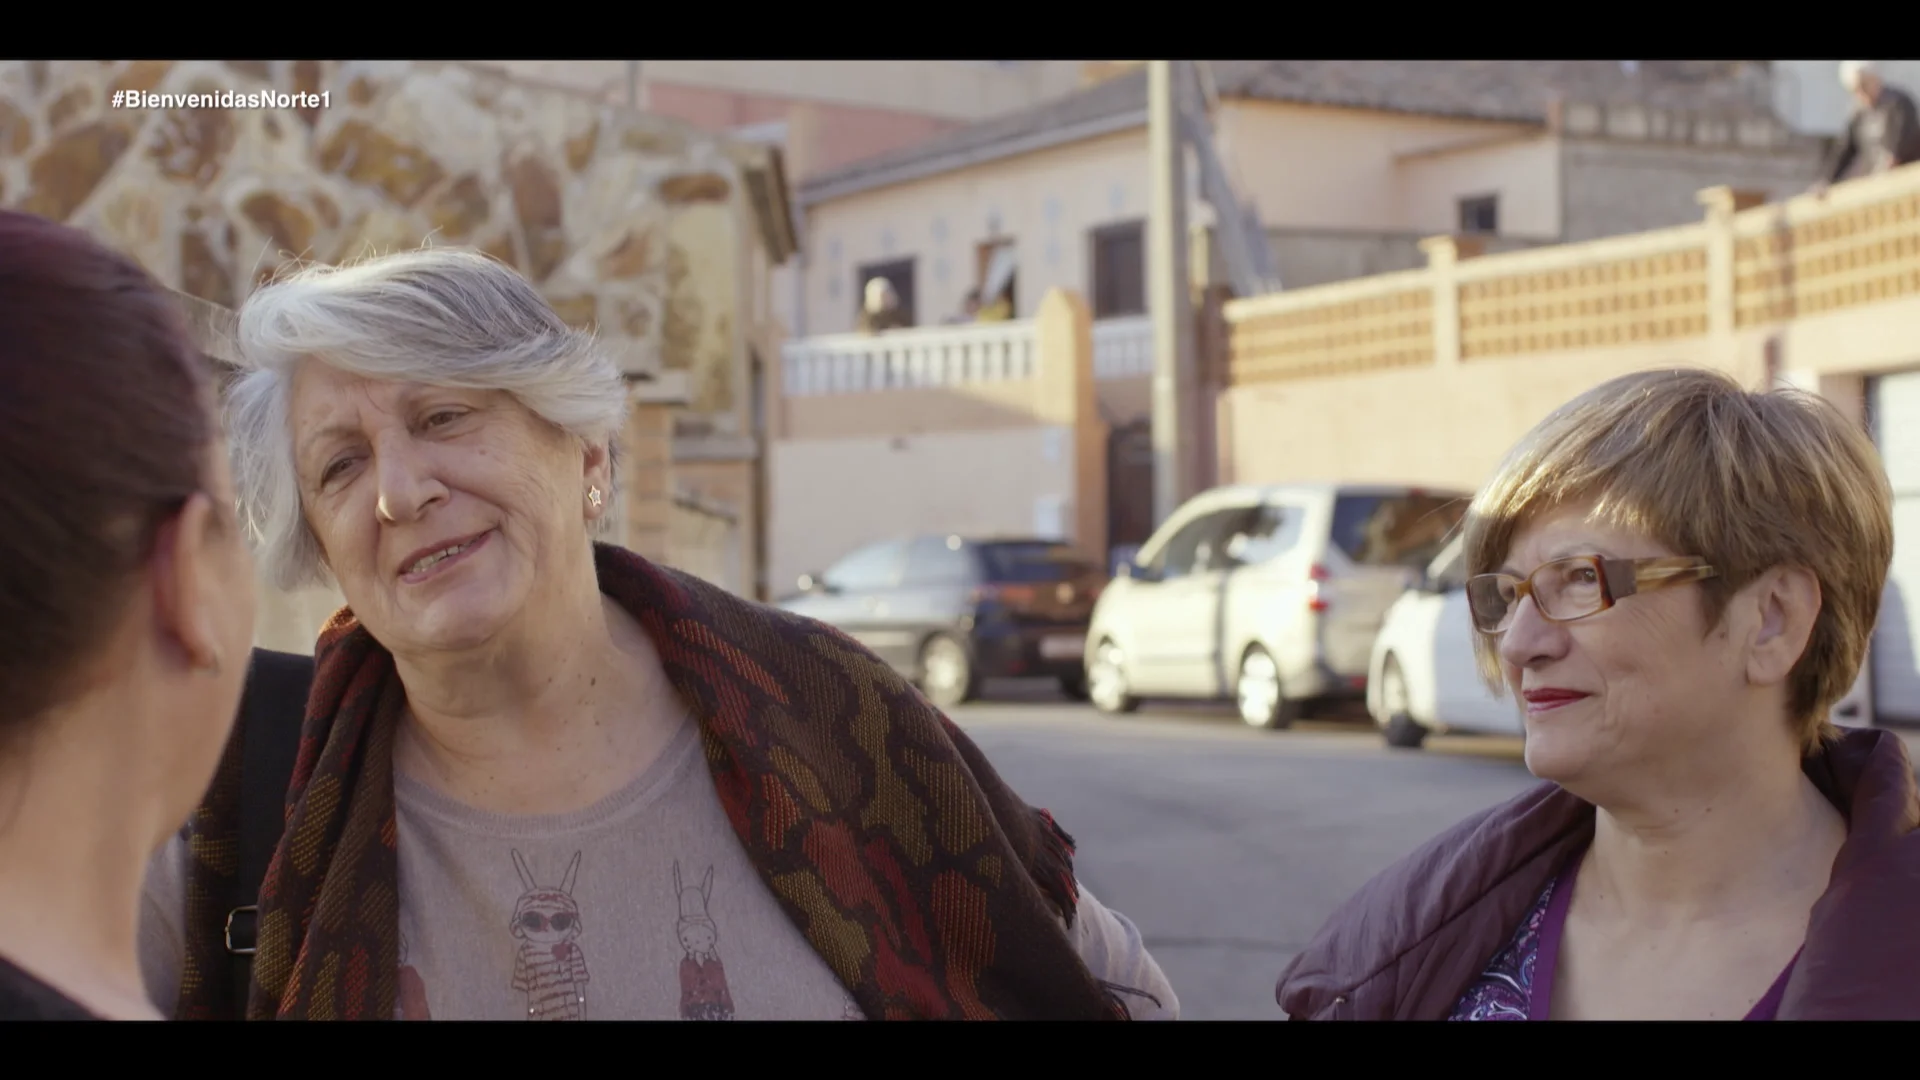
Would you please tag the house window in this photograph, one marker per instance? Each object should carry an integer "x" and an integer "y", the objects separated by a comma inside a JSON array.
[
  {"x": 897, "y": 271},
  {"x": 998, "y": 267},
  {"x": 1480, "y": 214},
  {"x": 1119, "y": 270}
]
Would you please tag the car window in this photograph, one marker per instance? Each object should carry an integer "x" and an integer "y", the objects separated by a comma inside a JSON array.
[
  {"x": 876, "y": 566},
  {"x": 939, "y": 560},
  {"x": 1197, "y": 546},
  {"x": 1395, "y": 530},
  {"x": 1027, "y": 561},
  {"x": 1268, "y": 533}
]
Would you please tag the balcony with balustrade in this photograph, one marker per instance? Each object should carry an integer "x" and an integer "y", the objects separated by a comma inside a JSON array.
[
  {"x": 998, "y": 427},
  {"x": 951, "y": 377}
]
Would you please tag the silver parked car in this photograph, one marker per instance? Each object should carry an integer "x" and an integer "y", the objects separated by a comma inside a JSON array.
[{"x": 1271, "y": 595}]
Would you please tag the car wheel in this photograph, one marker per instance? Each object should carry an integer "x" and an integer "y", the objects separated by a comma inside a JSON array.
[
  {"x": 1107, "y": 680},
  {"x": 1403, "y": 731},
  {"x": 1074, "y": 686},
  {"x": 947, "y": 674},
  {"x": 1262, "y": 700}
]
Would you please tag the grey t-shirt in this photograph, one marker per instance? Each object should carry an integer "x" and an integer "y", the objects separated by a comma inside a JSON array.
[{"x": 642, "y": 907}]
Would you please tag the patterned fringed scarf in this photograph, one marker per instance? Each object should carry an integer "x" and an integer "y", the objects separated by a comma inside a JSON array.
[{"x": 929, "y": 888}]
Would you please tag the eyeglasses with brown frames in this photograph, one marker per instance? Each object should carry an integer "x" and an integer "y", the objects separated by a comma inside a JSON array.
[{"x": 1576, "y": 587}]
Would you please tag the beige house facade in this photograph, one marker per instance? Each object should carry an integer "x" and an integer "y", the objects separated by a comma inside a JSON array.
[
  {"x": 1349, "y": 164},
  {"x": 824, "y": 115},
  {"x": 995, "y": 430}
]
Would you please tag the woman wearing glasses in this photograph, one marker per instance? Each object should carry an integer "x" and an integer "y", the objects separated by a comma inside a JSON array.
[{"x": 1676, "y": 580}]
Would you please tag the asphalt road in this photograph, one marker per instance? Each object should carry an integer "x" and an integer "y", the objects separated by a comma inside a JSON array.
[{"x": 1230, "y": 847}]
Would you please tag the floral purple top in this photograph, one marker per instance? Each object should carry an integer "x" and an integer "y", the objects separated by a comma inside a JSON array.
[
  {"x": 1504, "y": 990},
  {"x": 1518, "y": 983}
]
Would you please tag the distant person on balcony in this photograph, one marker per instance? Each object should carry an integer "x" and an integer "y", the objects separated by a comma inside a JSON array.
[
  {"x": 882, "y": 310},
  {"x": 1000, "y": 310},
  {"x": 1884, "y": 128},
  {"x": 969, "y": 310}
]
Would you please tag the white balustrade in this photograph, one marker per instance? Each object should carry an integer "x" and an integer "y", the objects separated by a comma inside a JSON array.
[
  {"x": 921, "y": 357},
  {"x": 939, "y": 356},
  {"x": 1123, "y": 348}
]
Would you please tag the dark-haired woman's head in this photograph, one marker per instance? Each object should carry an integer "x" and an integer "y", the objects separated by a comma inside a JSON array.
[{"x": 126, "y": 588}]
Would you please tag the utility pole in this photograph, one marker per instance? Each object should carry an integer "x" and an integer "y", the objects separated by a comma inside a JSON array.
[{"x": 1169, "y": 292}]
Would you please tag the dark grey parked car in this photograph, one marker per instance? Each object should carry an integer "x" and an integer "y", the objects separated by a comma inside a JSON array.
[{"x": 950, "y": 611}]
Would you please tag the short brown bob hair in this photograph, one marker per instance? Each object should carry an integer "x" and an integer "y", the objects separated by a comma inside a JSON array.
[{"x": 1748, "y": 481}]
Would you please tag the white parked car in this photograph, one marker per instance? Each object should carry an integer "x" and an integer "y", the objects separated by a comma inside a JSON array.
[
  {"x": 1270, "y": 596},
  {"x": 1422, "y": 677}
]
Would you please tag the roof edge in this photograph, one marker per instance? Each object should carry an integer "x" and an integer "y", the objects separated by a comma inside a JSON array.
[
  {"x": 913, "y": 163},
  {"x": 829, "y": 188}
]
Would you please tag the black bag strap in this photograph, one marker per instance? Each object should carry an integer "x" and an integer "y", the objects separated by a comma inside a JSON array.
[{"x": 273, "y": 707}]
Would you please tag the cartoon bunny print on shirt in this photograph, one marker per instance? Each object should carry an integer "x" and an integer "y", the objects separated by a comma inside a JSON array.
[
  {"x": 703, "y": 981},
  {"x": 549, "y": 966}
]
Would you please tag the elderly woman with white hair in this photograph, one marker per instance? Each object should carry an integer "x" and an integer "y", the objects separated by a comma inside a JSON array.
[
  {"x": 543, "y": 778},
  {"x": 1675, "y": 579}
]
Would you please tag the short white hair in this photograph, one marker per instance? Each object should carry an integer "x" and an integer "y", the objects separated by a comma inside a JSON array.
[
  {"x": 1852, "y": 71},
  {"x": 879, "y": 290},
  {"x": 439, "y": 317}
]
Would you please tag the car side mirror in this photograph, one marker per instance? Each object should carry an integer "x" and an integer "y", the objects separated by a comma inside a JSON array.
[{"x": 1131, "y": 569}]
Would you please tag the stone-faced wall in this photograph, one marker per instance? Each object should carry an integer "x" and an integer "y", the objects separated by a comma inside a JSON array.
[{"x": 630, "y": 222}]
